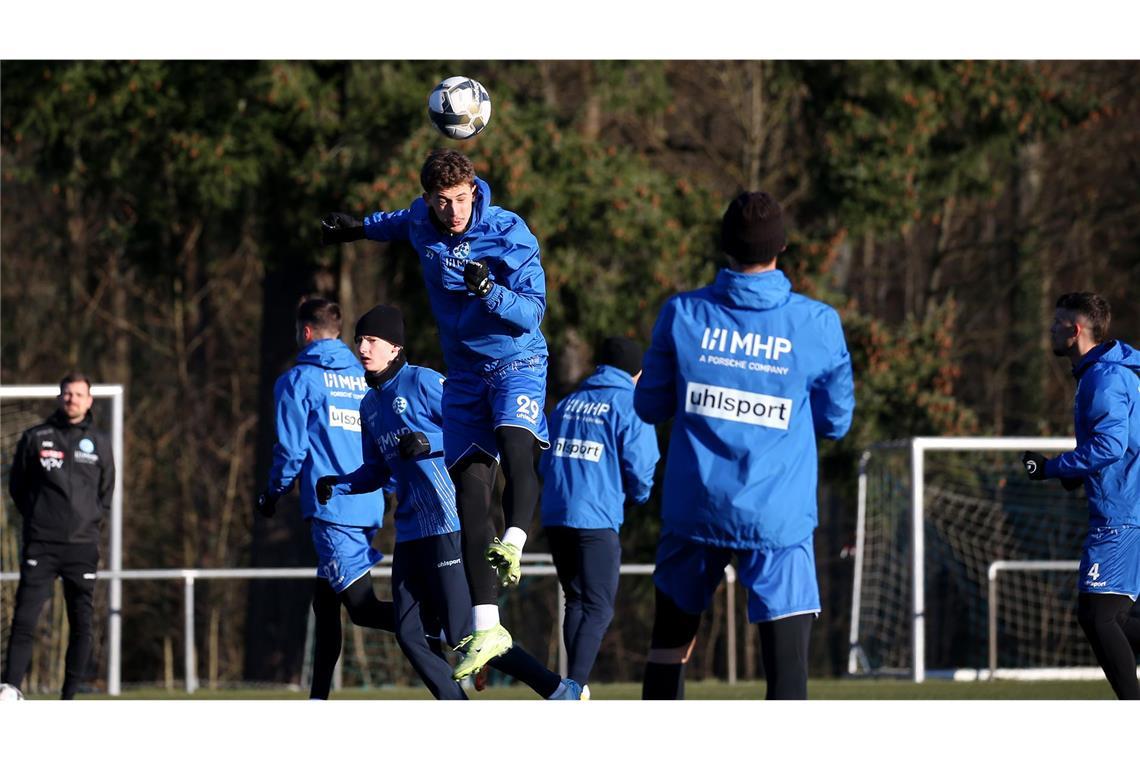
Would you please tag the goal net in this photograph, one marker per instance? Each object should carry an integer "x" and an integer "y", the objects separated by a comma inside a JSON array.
[{"x": 934, "y": 515}]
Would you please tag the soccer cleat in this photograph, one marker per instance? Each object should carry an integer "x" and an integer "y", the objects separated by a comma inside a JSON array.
[
  {"x": 481, "y": 679},
  {"x": 505, "y": 558},
  {"x": 479, "y": 649},
  {"x": 572, "y": 692},
  {"x": 585, "y": 693}
]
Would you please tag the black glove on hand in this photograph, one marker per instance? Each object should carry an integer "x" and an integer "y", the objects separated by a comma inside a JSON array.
[
  {"x": 340, "y": 228},
  {"x": 325, "y": 488},
  {"x": 1034, "y": 465},
  {"x": 412, "y": 445},
  {"x": 1072, "y": 484},
  {"x": 477, "y": 278},
  {"x": 267, "y": 503}
]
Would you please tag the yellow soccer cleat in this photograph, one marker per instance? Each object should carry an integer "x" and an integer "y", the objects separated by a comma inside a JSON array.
[
  {"x": 479, "y": 649},
  {"x": 506, "y": 559}
]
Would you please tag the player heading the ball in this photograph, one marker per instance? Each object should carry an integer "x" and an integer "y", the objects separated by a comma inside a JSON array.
[{"x": 487, "y": 291}]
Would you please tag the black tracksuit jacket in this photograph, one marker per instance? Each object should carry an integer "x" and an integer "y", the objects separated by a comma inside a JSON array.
[{"x": 62, "y": 480}]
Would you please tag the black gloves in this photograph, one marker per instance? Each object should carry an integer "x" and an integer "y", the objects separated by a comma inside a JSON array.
[
  {"x": 340, "y": 228},
  {"x": 1034, "y": 465},
  {"x": 325, "y": 488},
  {"x": 477, "y": 278},
  {"x": 1072, "y": 484},
  {"x": 412, "y": 445},
  {"x": 267, "y": 503}
]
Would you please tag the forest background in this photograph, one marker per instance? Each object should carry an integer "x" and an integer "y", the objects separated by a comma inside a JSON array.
[{"x": 160, "y": 224}]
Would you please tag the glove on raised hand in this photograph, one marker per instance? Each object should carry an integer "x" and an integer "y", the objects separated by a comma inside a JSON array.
[{"x": 340, "y": 228}]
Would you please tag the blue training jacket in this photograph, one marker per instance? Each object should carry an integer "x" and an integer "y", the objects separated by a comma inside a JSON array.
[
  {"x": 753, "y": 373},
  {"x": 602, "y": 454},
  {"x": 477, "y": 334},
  {"x": 410, "y": 401},
  {"x": 1106, "y": 411},
  {"x": 317, "y": 405}
]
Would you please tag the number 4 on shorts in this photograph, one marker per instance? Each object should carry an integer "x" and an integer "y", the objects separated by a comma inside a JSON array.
[{"x": 1094, "y": 571}]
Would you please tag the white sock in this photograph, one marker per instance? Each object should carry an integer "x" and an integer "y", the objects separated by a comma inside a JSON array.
[
  {"x": 485, "y": 616},
  {"x": 516, "y": 536},
  {"x": 559, "y": 691}
]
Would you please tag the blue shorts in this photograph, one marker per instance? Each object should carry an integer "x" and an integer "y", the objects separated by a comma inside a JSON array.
[
  {"x": 780, "y": 582},
  {"x": 344, "y": 552},
  {"x": 475, "y": 405},
  {"x": 1110, "y": 561}
]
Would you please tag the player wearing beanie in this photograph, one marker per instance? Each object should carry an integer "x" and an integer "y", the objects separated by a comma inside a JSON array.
[
  {"x": 402, "y": 438},
  {"x": 602, "y": 459},
  {"x": 752, "y": 374}
]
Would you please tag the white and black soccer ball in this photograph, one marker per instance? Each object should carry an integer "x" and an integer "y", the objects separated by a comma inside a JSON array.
[
  {"x": 459, "y": 107},
  {"x": 9, "y": 693}
]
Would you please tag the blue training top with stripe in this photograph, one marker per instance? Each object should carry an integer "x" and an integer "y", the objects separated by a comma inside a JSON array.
[
  {"x": 410, "y": 401},
  {"x": 477, "y": 335}
]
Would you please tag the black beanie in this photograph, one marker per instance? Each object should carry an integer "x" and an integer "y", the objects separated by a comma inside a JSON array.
[
  {"x": 622, "y": 353},
  {"x": 752, "y": 231},
  {"x": 382, "y": 322}
]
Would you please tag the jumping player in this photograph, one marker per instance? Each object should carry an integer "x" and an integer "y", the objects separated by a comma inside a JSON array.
[{"x": 487, "y": 291}]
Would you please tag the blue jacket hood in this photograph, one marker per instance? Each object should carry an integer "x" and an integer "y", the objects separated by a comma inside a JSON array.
[
  {"x": 767, "y": 290},
  {"x": 608, "y": 376},
  {"x": 1112, "y": 352},
  {"x": 328, "y": 353}
]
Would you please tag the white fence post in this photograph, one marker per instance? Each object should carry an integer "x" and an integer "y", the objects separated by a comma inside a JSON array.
[{"x": 190, "y": 660}]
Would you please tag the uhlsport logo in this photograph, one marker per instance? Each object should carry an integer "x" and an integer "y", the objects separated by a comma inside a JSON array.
[
  {"x": 738, "y": 406},
  {"x": 573, "y": 448},
  {"x": 348, "y": 419},
  {"x": 400, "y": 405}
]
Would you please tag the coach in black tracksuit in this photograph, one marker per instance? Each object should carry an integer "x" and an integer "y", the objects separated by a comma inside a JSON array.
[{"x": 62, "y": 481}]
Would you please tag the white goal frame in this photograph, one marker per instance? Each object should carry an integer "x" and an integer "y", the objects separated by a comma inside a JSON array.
[
  {"x": 918, "y": 448},
  {"x": 115, "y": 591}
]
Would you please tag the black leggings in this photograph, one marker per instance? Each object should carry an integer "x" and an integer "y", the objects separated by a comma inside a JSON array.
[
  {"x": 474, "y": 478},
  {"x": 1115, "y": 638},
  {"x": 517, "y": 448},
  {"x": 783, "y": 647},
  {"x": 364, "y": 609},
  {"x": 42, "y": 561}
]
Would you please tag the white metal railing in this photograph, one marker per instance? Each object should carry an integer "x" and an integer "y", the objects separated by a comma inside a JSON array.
[{"x": 537, "y": 565}]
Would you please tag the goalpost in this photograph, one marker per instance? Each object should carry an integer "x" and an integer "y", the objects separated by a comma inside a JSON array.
[
  {"x": 963, "y": 567},
  {"x": 114, "y": 394}
]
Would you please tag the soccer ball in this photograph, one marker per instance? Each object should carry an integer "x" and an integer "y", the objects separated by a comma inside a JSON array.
[
  {"x": 9, "y": 693},
  {"x": 459, "y": 107}
]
